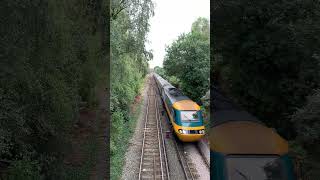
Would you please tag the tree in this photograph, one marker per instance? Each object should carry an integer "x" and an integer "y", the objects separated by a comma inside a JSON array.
[
  {"x": 307, "y": 120},
  {"x": 267, "y": 55},
  {"x": 52, "y": 58},
  {"x": 129, "y": 65},
  {"x": 307, "y": 124},
  {"x": 187, "y": 58}
]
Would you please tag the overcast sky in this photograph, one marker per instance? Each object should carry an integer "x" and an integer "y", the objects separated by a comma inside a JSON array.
[{"x": 172, "y": 18}]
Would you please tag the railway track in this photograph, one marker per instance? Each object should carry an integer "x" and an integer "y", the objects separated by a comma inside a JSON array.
[
  {"x": 153, "y": 160},
  {"x": 204, "y": 158},
  {"x": 188, "y": 167}
]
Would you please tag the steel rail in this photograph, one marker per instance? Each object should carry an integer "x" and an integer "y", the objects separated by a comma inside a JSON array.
[
  {"x": 207, "y": 163},
  {"x": 144, "y": 134},
  {"x": 155, "y": 149},
  {"x": 181, "y": 158},
  {"x": 159, "y": 141},
  {"x": 162, "y": 140}
]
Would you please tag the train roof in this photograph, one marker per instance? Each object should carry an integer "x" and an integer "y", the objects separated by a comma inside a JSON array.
[
  {"x": 245, "y": 137},
  {"x": 178, "y": 100},
  {"x": 224, "y": 110},
  {"x": 235, "y": 131},
  {"x": 186, "y": 105}
]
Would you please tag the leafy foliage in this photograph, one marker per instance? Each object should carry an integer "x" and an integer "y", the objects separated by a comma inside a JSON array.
[
  {"x": 129, "y": 26},
  {"x": 266, "y": 57},
  {"x": 51, "y": 60},
  {"x": 267, "y": 51},
  {"x": 188, "y": 60},
  {"x": 307, "y": 124},
  {"x": 24, "y": 169},
  {"x": 307, "y": 120}
]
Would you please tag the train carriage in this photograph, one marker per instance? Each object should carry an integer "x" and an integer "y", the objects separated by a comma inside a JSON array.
[{"x": 184, "y": 114}]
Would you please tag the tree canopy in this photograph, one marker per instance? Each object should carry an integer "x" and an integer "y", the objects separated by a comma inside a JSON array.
[
  {"x": 187, "y": 59},
  {"x": 52, "y": 58},
  {"x": 269, "y": 54},
  {"x": 129, "y": 66},
  {"x": 266, "y": 58}
]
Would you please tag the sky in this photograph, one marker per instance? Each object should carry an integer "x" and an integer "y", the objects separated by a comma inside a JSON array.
[{"x": 172, "y": 18}]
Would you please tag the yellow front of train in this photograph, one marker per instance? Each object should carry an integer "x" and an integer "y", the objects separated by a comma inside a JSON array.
[{"x": 187, "y": 121}]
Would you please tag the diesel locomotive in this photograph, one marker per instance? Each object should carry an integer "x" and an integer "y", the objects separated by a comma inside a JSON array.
[
  {"x": 184, "y": 114},
  {"x": 243, "y": 148}
]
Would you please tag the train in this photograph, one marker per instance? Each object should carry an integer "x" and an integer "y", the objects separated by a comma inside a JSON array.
[
  {"x": 184, "y": 114},
  {"x": 243, "y": 148}
]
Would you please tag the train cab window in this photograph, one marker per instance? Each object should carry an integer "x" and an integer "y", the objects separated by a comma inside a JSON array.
[
  {"x": 189, "y": 116},
  {"x": 255, "y": 167},
  {"x": 172, "y": 113}
]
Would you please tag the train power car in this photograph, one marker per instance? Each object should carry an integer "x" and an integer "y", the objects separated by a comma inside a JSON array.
[
  {"x": 184, "y": 114},
  {"x": 242, "y": 148}
]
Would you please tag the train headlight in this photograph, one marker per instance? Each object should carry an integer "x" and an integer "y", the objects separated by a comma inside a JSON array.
[
  {"x": 182, "y": 131},
  {"x": 185, "y": 131},
  {"x": 201, "y": 131}
]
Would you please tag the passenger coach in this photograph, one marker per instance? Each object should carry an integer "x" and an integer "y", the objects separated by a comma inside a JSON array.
[{"x": 184, "y": 114}]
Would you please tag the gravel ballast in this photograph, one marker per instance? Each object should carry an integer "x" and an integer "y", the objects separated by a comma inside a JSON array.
[{"x": 132, "y": 157}]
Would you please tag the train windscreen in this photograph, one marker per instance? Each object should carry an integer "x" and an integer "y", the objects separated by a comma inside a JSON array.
[
  {"x": 255, "y": 168},
  {"x": 189, "y": 116}
]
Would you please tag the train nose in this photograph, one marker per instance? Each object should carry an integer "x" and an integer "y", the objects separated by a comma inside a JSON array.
[{"x": 182, "y": 131}]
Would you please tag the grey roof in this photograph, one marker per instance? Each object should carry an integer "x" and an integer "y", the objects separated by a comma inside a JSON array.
[{"x": 172, "y": 92}]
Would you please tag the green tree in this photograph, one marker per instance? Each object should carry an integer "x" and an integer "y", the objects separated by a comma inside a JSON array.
[
  {"x": 307, "y": 124},
  {"x": 267, "y": 55},
  {"x": 266, "y": 58},
  {"x": 52, "y": 58},
  {"x": 187, "y": 59},
  {"x": 160, "y": 71},
  {"x": 129, "y": 65}
]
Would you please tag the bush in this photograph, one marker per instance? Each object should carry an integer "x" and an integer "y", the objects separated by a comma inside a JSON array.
[
  {"x": 26, "y": 169},
  {"x": 50, "y": 61}
]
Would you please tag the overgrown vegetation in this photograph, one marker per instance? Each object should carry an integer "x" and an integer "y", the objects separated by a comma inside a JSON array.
[
  {"x": 266, "y": 57},
  {"x": 52, "y": 58},
  {"x": 129, "y": 27}
]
